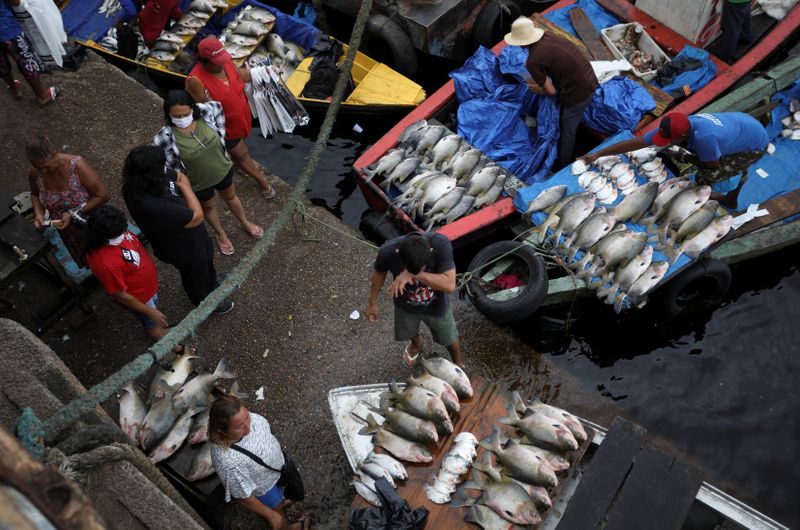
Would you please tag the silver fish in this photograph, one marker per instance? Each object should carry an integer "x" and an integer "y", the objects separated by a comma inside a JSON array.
[
  {"x": 199, "y": 432},
  {"x": 375, "y": 472},
  {"x": 171, "y": 37},
  {"x": 444, "y": 150},
  {"x": 418, "y": 401},
  {"x": 434, "y": 190},
  {"x": 696, "y": 245},
  {"x": 201, "y": 5},
  {"x": 571, "y": 422},
  {"x": 162, "y": 56},
  {"x": 176, "y": 436},
  {"x": 159, "y": 418},
  {"x": 462, "y": 208},
  {"x": 402, "y": 448},
  {"x": 554, "y": 216},
  {"x": 634, "y": 206},
  {"x": 585, "y": 178},
  {"x": 412, "y": 129},
  {"x": 415, "y": 188},
  {"x": 131, "y": 412},
  {"x": 201, "y": 466},
  {"x": 446, "y": 201},
  {"x": 506, "y": 498},
  {"x": 395, "y": 468},
  {"x": 238, "y": 52},
  {"x": 572, "y": 215},
  {"x": 450, "y": 373},
  {"x": 259, "y": 15},
  {"x": 666, "y": 192},
  {"x": 682, "y": 206},
  {"x": 366, "y": 493},
  {"x": 483, "y": 180},
  {"x": 486, "y": 518},
  {"x": 423, "y": 140},
  {"x": 538, "y": 494},
  {"x": 250, "y": 29},
  {"x": 644, "y": 284},
  {"x": 386, "y": 164},
  {"x": 189, "y": 20},
  {"x": 490, "y": 196},
  {"x": 578, "y": 167},
  {"x": 624, "y": 276},
  {"x": 554, "y": 461},
  {"x": 183, "y": 31},
  {"x": 519, "y": 462},
  {"x": 546, "y": 198},
  {"x": 539, "y": 428},
  {"x": 195, "y": 392},
  {"x": 641, "y": 156},
  {"x": 181, "y": 367},
  {"x": 462, "y": 164},
  {"x": 592, "y": 230},
  {"x": 619, "y": 251},
  {"x": 696, "y": 222},
  {"x": 434, "y": 492},
  {"x": 403, "y": 424},
  {"x": 241, "y": 40},
  {"x": 402, "y": 170},
  {"x": 439, "y": 387}
]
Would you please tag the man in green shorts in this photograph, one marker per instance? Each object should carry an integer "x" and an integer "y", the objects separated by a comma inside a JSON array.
[{"x": 424, "y": 273}]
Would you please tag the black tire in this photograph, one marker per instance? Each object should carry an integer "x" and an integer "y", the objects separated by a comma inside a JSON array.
[
  {"x": 492, "y": 23},
  {"x": 386, "y": 31},
  {"x": 703, "y": 283},
  {"x": 378, "y": 227},
  {"x": 532, "y": 295}
]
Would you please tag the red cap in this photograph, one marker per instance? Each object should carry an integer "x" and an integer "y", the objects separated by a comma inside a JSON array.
[
  {"x": 212, "y": 50},
  {"x": 673, "y": 125}
]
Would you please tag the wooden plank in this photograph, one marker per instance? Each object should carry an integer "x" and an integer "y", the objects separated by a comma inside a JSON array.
[
  {"x": 643, "y": 502},
  {"x": 779, "y": 208},
  {"x": 590, "y": 37},
  {"x": 755, "y": 91},
  {"x": 603, "y": 477},
  {"x": 758, "y": 243}
]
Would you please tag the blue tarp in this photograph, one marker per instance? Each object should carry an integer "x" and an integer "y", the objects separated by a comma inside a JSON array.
[
  {"x": 618, "y": 104},
  {"x": 491, "y": 113},
  {"x": 600, "y": 18},
  {"x": 697, "y": 78},
  {"x": 83, "y": 22}
]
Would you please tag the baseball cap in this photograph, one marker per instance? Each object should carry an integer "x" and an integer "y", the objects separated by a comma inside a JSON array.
[
  {"x": 212, "y": 50},
  {"x": 673, "y": 125}
]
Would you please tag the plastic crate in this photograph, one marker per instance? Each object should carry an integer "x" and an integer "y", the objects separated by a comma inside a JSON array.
[{"x": 613, "y": 34}]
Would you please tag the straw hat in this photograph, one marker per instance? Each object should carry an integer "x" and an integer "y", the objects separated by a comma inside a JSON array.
[{"x": 523, "y": 32}]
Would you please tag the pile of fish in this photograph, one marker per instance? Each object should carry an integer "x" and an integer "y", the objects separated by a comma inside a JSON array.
[
  {"x": 245, "y": 32},
  {"x": 517, "y": 491},
  {"x": 284, "y": 55},
  {"x": 178, "y": 413},
  {"x": 414, "y": 417},
  {"x": 440, "y": 176},
  {"x": 791, "y": 123},
  {"x": 455, "y": 464},
  {"x": 110, "y": 8},
  {"x": 617, "y": 260},
  {"x": 628, "y": 45},
  {"x": 171, "y": 42}
]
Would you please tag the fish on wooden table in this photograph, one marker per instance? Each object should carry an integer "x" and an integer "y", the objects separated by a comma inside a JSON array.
[
  {"x": 403, "y": 424},
  {"x": 402, "y": 448},
  {"x": 538, "y": 427},
  {"x": 418, "y": 401},
  {"x": 569, "y": 420},
  {"x": 519, "y": 462},
  {"x": 390, "y": 464},
  {"x": 507, "y": 498},
  {"x": 439, "y": 387},
  {"x": 451, "y": 373}
]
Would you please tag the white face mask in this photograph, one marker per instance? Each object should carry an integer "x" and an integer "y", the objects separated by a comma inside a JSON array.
[
  {"x": 182, "y": 123},
  {"x": 117, "y": 240}
]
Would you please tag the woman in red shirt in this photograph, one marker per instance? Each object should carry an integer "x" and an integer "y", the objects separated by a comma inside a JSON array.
[{"x": 215, "y": 77}]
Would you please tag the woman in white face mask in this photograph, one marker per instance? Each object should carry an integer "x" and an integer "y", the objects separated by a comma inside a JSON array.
[{"x": 193, "y": 140}]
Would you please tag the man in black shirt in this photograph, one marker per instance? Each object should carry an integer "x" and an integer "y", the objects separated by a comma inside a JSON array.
[{"x": 424, "y": 273}]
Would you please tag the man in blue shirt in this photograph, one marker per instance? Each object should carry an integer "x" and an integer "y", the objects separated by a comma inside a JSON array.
[
  {"x": 14, "y": 44},
  {"x": 721, "y": 146}
]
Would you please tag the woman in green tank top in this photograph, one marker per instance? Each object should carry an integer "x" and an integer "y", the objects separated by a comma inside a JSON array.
[{"x": 193, "y": 140}]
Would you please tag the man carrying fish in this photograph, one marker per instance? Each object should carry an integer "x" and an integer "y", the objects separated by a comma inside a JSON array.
[
  {"x": 721, "y": 146},
  {"x": 424, "y": 273}
]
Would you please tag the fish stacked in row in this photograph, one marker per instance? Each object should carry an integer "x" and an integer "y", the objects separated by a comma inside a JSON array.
[
  {"x": 649, "y": 164},
  {"x": 245, "y": 32},
  {"x": 283, "y": 55},
  {"x": 417, "y": 415},
  {"x": 517, "y": 491},
  {"x": 171, "y": 42},
  {"x": 374, "y": 467},
  {"x": 455, "y": 464},
  {"x": 441, "y": 177},
  {"x": 109, "y": 8},
  {"x": 791, "y": 123},
  {"x": 178, "y": 413}
]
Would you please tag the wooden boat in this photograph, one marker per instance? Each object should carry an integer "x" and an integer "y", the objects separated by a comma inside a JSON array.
[
  {"x": 443, "y": 103},
  {"x": 378, "y": 88}
]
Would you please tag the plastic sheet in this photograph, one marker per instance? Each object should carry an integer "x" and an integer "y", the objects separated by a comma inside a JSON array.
[
  {"x": 393, "y": 513},
  {"x": 696, "y": 78},
  {"x": 600, "y": 18},
  {"x": 618, "y": 104}
]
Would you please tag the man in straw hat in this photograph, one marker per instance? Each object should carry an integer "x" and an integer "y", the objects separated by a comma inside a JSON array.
[{"x": 557, "y": 68}]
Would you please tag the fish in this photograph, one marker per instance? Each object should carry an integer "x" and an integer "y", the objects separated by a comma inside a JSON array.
[
  {"x": 697, "y": 244},
  {"x": 462, "y": 164},
  {"x": 250, "y": 29},
  {"x": 386, "y": 164},
  {"x": 624, "y": 276},
  {"x": 652, "y": 166},
  {"x": 538, "y": 494},
  {"x": 175, "y": 437},
  {"x": 462, "y": 208},
  {"x": 626, "y": 180},
  {"x": 666, "y": 192},
  {"x": 572, "y": 215},
  {"x": 483, "y": 180},
  {"x": 183, "y": 31},
  {"x": 596, "y": 184},
  {"x": 159, "y": 418},
  {"x": 259, "y": 15},
  {"x": 570, "y": 421},
  {"x": 202, "y": 466},
  {"x": 402, "y": 170},
  {"x": 682, "y": 206},
  {"x": 444, "y": 150},
  {"x": 375, "y": 472},
  {"x": 607, "y": 194},
  {"x": 435, "y": 494},
  {"x": 241, "y": 40},
  {"x": 635, "y": 205},
  {"x": 538, "y": 427},
  {"x": 441, "y": 388},
  {"x": 643, "y": 155},
  {"x": 545, "y": 199},
  {"x": 416, "y": 187},
  {"x": 435, "y": 189},
  {"x": 447, "y": 201},
  {"x": 619, "y": 170},
  {"x": 189, "y": 20},
  {"x": 605, "y": 163},
  {"x": 586, "y": 178},
  {"x": 696, "y": 222},
  {"x": 196, "y": 391},
  {"x": 458, "y": 465},
  {"x": 204, "y": 6},
  {"x": 402, "y": 448},
  {"x": 578, "y": 167},
  {"x": 199, "y": 432},
  {"x": 366, "y": 493},
  {"x": 450, "y": 373},
  {"x": 403, "y": 424},
  {"x": 162, "y": 56},
  {"x": 412, "y": 129},
  {"x": 487, "y": 519},
  {"x": 238, "y": 52},
  {"x": 181, "y": 367},
  {"x": 619, "y": 251},
  {"x": 490, "y": 196},
  {"x": 594, "y": 228},
  {"x": 643, "y": 285},
  {"x": 424, "y": 139},
  {"x": 466, "y": 451},
  {"x": 276, "y": 46},
  {"x": 171, "y": 37},
  {"x": 420, "y": 402},
  {"x": 578, "y": 202},
  {"x": 519, "y": 462},
  {"x": 131, "y": 412},
  {"x": 395, "y": 468},
  {"x": 506, "y": 498},
  {"x": 554, "y": 461}
]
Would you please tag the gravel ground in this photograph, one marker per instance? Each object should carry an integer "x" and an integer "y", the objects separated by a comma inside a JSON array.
[{"x": 290, "y": 330}]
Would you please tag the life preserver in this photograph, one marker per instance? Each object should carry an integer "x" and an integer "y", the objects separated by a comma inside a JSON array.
[
  {"x": 493, "y": 22},
  {"x": 404, "y": 56},
  {"x": 532, "y": 294},
  {"x": 701, "y": 284}
]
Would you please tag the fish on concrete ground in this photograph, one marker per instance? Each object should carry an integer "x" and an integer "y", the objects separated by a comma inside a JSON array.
[
  {"x": 419, "y": 402},
  {"x": 160, "y": 417},
  {"x": 195, "y": 392},
  {"x": 592, "y": 230},
  {"x": 366, "y": 493},
  {"x": 402, "y": 448},
  {"x": 681, "y": 207},
  {"x": 643, "y": 285},
  {"x": 450, "y": 373},
  {"x": 635, "y": 205},
  {"x": 569, "y": 420},
  {"x": 695, "y": 222},
  {"x": 439, "y": 387},
  {"x": 519, "y": 462},
  {"x": 507, "y": 498},
  {"x": 181, "y": 367},
  {"x": 131, "y": 412},
  {"x": 375, "y": 472},
  {"x": 201, "y": 466},
  {"x": 546, "y": 198},
  {"x": 390, "y": 464},
  {"x": 199, "y": 431},
  {"x": 624, "y": 276},
  {"x": 403, "y": 424},
  {"x": 697, "y": 244},
  {"x": 176, "y": 436}
]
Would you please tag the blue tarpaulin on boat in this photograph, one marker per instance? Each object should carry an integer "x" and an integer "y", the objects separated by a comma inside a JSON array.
[
  {"x": 491, "y": 113},
  {"x": 600, "y": 18},
  {"x": 83, "y": 22},
  {"x": 617, "y": 104},
  {"x": 695, "y": 79}
]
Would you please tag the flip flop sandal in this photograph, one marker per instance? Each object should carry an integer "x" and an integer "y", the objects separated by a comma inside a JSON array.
[
  {"x": 268, "y": 193},
  {"x": 53, "y": 91},
  {"x": 16, "y": 89},
  {"x": 410, "y": 360},
  {"x": 226, "y": 250},
  {"x": 258, "y": 235}
]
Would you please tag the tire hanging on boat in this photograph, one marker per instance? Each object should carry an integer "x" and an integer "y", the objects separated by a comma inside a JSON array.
[
  {"x": 404, "y": 56},
  {"x": 378, "y": 227},
  {"x": 493, "y": 22},
  {"x": 703, "y": 283},
  {"x": 532, "y": 294}
]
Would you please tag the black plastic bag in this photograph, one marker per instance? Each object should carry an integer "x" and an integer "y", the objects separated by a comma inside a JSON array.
[
  {"x": 393, "y": 514},
  {"x": 324, "y": 71}
]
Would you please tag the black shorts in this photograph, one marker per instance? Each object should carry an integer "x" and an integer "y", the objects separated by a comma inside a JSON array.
[
  {"x": 208, "y": 193},
  {"x": 230, "y": 144}
]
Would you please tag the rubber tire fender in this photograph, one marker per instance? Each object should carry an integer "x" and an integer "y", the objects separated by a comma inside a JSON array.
[
  {"x": 404, "y": 56},
  {"x": 714, "y": 269},
  {"x": 488, "y": 17},
  {"x": 533, "y": 294},
  {"x": 378, "y": 227}
]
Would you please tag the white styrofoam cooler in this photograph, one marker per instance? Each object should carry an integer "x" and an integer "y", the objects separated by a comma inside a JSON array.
[
  {"x": 699, "y": 21},
  {"x": 646, "y": 44}
]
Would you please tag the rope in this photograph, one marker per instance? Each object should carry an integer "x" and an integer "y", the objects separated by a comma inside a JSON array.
[
  {"x": 34, "y": 433},
  {"x": 302, "y": 211}
]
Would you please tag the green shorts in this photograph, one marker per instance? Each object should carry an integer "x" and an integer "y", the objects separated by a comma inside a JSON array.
[{"x": 443, "y": 328}]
